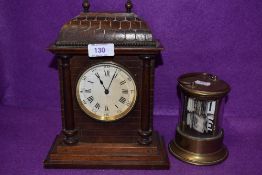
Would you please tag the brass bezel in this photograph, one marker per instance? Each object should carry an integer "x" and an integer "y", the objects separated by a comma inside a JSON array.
[{"x": 103, "y": 118}]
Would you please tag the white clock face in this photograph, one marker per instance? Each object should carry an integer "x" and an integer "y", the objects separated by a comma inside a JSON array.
[{"x": 106, "y": 92}]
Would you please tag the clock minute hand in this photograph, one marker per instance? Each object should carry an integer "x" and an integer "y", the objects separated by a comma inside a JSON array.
[
  {"x": 101, "y": 82},
  {"x": 114, "y": 76}
]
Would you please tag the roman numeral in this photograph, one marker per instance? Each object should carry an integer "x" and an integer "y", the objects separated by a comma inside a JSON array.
[
  {"x": 122, "y": 100},
  {"x": 88, "y": 91},
  {"x": 107, "y": 73},
  {"x": 97, "y": 106},
  {"x": 106, "y": 108},
  {"x": 124, "y": 91},
  {"x": 122, "y": 82},
  {"x": 90, "y": 99},
  {"x": 116, "y": 106},
  {"x": 97, "y": 75},
  {"x": 90, "y": 81},
  {"x": 115, "y": 74}
]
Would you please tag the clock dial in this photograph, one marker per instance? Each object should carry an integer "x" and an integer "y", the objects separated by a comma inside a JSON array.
[{"x": 106, "y": 92}]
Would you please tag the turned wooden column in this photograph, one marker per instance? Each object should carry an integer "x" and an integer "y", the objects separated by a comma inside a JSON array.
[
  {"x": 69, "y": 129},
  {"x": 145, "y": 131}
]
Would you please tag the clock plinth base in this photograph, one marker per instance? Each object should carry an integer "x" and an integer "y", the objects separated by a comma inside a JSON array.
[{"x": 94, "y": 155}]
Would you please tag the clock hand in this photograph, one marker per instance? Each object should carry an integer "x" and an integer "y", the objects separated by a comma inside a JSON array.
[
  {"x": 114, "y": 76},
  {"x": 101, "y": 82}
]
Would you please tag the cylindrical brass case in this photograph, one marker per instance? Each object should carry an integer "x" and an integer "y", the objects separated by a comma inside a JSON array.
[{"x": 199, "y": 133}]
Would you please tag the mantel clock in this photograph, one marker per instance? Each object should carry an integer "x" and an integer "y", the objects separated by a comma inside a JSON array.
[{"x": 107, "y": 100}]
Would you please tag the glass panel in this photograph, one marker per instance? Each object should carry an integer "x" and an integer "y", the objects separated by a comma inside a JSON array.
[
  {"x": 182, "y": 112},
  {"x": 199, "y": 117},
  {"x": 221, "y": 113}
]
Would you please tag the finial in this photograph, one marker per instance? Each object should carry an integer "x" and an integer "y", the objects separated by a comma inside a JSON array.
[
  {"x": 129, "y": 6},
  {"x": 86, "y": 6}
]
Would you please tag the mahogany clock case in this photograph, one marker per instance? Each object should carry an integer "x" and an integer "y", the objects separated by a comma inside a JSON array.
[
  {"x": 87, "y": 126},
  {"x": 131, "y": 142}
]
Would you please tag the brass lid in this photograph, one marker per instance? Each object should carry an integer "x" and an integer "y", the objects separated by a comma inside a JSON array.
[
  {"x": 122, "y": 29},
  {"x": 203, "y": 84}
]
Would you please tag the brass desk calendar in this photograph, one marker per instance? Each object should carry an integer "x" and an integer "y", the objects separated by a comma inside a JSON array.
[
  {"x": 106, "y": 67},
  {"x": 199, "y": 134}
]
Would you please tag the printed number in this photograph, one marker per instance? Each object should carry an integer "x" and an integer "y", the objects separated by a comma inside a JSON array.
[
  {"x": 97, "y": 106},
  {"x": 107, "y": 73},
  {"x": 122, "y": 82},
  {"x": 84, "y": 78},
  {"x": 90, "y": 99},
  {"x": 124, "y": 91},
  {"x": 88, "y": 91},
  {"x": 122, "y": 100},
  {"x": 100, "y": 50}
]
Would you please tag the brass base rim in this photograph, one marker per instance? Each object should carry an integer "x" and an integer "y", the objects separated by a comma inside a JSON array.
[{"x": 198, "y": 159}]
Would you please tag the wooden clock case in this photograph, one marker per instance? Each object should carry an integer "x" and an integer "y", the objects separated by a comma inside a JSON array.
[{"x": 131, "y": 142}]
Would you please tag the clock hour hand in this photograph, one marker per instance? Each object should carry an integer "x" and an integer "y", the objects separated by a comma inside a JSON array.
[{"x": 101, "y": 82}]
